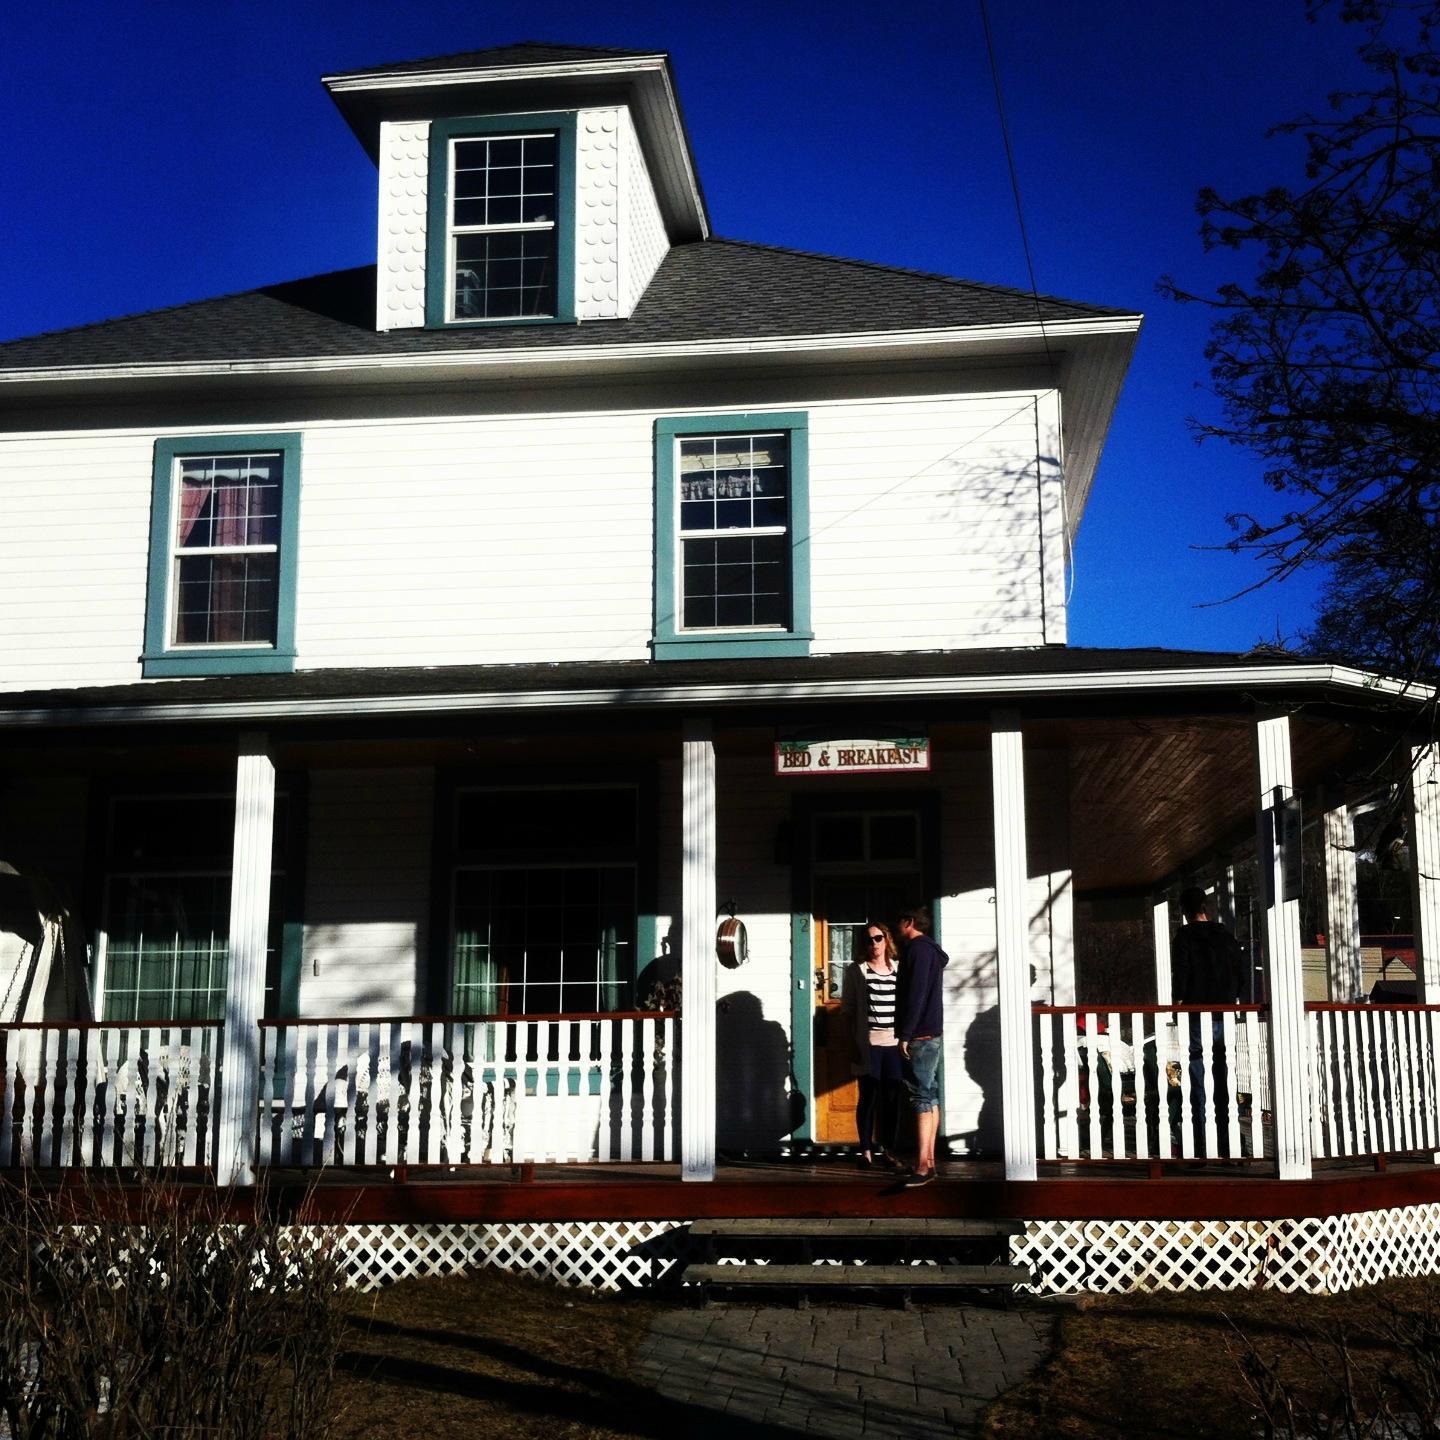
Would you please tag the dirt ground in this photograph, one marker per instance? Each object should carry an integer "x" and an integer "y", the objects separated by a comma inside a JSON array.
[
  {"x": 494, "y": 1355},
  {"x": 1176, "y": 1365},
  {"x": 505, "y": 1357}
]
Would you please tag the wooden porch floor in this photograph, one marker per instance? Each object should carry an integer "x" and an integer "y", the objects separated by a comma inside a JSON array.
[{"x": 746, "y": 1188}]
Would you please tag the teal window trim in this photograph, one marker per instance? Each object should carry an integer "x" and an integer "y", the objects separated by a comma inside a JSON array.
[
  {"x": 160, "y": 657},
  {"x": 437, "y": 224},
  {"x": 671, "y": 641}
]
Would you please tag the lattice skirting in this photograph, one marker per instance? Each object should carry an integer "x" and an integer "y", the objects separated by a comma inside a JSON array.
[
  {"x": 1113, "y": 1256},
  {"x": 1311, "y": 1256},
  {"x": 597, "y": 1254}
]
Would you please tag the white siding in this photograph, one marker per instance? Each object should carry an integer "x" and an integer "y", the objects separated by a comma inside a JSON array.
[
  {"x": 73, "y": 547},
  {"x": 946, "y": 494},
  {"x": 528, "y": 537},
  {"x": 643, "y": 242},
  {"x": 367, "y": 891},
  {"x": 404, "y": 195}
]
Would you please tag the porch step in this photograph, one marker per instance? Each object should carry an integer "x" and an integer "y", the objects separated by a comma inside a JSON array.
[
  {"x": 899, "y": 1227},
  {"x": 896, "y": 1279}
]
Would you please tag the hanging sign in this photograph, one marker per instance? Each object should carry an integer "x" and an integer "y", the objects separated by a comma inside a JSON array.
[{"x": 870, "y": 756}]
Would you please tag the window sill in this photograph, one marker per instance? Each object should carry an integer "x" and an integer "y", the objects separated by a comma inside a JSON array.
[
  {"x": 217, "y": 662},
  {"x": 731, "y": 646}
]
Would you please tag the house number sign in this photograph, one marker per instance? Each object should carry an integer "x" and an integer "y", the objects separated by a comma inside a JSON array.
[{"x": 852, "y": 757}]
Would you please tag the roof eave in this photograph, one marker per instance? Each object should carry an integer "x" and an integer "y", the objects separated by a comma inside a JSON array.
[
  {"x": 426, "y": 366},
  {"x": 1262, "y": 679}
]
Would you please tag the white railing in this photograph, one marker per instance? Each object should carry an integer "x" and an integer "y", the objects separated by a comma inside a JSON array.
[
  {"x": 1141, "y": 1083},
  {"x": 469, "y": 1090},
  {"x": 83, "y": 1095},
  {"x": 1373, "y": 1072}
]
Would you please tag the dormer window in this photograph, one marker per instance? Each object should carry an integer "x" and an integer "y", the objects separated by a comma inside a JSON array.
[
  {"x": 502, "y": 227},
  {"x": 501, "y": 220}
]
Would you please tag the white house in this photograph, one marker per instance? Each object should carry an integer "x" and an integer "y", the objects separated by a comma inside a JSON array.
[{"x": 403, "y": 670}]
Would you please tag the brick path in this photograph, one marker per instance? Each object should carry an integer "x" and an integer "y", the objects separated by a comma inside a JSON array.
[{"x": 845, "y": 1370}]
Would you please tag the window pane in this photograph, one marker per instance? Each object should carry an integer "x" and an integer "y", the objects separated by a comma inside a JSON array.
[
  {"x": 892, "y": 837},
  {"x": 569, "y": 939},
  {"x": 226, "y": 599},
  {"x": 736, "y": 581},
  {"x": 509, "y": 274},
  {"x": 165, "y": 831},
  {"x": 168, "y": 947},
  {"x": 228, "y": 500},
  {"x": 840, "y": 837},
  {"x": 506, "y": 821}
]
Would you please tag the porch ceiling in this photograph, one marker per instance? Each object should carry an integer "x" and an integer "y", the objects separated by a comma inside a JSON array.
[{"x": 1148, "y": 796}]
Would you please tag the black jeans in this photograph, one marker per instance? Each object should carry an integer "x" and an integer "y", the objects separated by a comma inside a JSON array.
[{"x": 877, "y": 1114}]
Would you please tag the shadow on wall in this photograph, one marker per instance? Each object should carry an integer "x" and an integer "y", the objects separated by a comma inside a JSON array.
[
  {"x": 758, "y": 1105},
  {"x": 982, "y": 1064}
]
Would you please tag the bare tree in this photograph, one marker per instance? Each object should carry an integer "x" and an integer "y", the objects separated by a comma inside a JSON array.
[{"x": 1327, "y": 360}]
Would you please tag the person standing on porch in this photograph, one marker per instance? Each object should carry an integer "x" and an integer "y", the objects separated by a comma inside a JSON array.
[
  {"x": 868, "y": 1004},
  {"x": 920, "y": 1022},
  {"x": 1207, "y": 967}
]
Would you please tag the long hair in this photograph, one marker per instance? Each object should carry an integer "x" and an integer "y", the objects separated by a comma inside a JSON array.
[{"x": 892, "y": 951}]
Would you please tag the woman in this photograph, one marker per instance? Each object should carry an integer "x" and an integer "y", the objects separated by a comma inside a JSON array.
[{"x": 869, "y": 1003}]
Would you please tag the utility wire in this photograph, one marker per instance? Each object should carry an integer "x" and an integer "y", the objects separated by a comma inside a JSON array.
[{"x": 1014, "y": 178}]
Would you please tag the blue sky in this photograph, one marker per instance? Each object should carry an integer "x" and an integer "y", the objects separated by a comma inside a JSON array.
[{"x": 160, "y": 152}]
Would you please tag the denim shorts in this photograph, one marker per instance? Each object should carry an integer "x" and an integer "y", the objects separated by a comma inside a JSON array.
[{"x": 921, "y": 1070}]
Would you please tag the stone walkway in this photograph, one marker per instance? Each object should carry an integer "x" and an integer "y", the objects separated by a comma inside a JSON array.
[{"x": 845, "y": 1370}]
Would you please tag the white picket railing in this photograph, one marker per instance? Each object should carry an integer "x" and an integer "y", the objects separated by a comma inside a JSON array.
[
  {"x": 469, "y": 1091},
  {"x": 1116, "y": 1084},
  {"x": 81, "y": 1095},
  {"x": 1373, "y": 1073}
]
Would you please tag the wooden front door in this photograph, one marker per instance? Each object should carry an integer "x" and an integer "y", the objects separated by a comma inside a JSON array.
[{"x": 865, "y": 866}]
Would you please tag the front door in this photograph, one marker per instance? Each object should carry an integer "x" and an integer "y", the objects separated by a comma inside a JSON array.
[{"x": 865, "y": 865}]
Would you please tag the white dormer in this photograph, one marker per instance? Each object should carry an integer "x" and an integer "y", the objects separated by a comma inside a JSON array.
[{"x": 531, "y": 184}]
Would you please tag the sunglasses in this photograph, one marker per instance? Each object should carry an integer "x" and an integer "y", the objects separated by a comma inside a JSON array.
[{"x": 876, "y": 939}]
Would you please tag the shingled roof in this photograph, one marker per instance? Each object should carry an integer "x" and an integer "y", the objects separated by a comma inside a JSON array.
[{"x": 706, "y": 290}]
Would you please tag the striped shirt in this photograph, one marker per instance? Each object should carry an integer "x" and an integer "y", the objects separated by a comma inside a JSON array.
[{"x": 880, "y": 999}]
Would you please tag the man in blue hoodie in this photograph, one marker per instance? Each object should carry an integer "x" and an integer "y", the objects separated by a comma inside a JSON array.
[{"x": 919, "y": 1024}]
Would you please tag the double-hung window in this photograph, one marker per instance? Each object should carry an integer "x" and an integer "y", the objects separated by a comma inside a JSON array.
[
  {"x": 547, "y": 890},
  {"x": 224, "y": 521},
  {"x": 732, "y": 536},
  {"x": 163, "y": 942},
  {"x": 501, "y": 220}
]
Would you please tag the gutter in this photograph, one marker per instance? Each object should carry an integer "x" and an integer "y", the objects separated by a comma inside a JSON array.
[
  {"x": 1260, "y": 677},
  {"x": 967, "y": 337}
]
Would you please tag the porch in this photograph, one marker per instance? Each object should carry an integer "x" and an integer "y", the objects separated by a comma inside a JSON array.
[{"x": 1030, "y": 815}]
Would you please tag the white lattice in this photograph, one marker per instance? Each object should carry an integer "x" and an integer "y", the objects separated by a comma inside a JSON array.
[
  {"x": 1313, "y": 1256},
  {"x": 596, "y": 1254}
]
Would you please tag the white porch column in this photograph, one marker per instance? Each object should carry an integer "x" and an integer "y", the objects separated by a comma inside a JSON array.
[
  {"x": 697, "y": 953},
  {"x": 1160, "y": 924},
  {"x": 245, "y": 990},
  {"x": 1425, "y": 867},
  {"x": 1012, "y": 947},
  {"x": 1342, "y": 907},
  {"x": 1289, "y": 1045}
]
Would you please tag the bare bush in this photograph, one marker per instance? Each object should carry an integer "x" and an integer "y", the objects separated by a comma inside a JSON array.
[
  {"x": 1369, "y": 1381},
  {"x": 151, "y": 1312}
]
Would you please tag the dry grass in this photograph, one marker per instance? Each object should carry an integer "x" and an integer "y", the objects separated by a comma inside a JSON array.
[
  {"x": 495, "y": 1355},
  {"x": 1174, "y": 1365}
]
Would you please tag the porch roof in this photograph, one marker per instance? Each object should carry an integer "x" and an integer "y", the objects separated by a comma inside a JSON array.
[{"x": 1046, "y": 680}]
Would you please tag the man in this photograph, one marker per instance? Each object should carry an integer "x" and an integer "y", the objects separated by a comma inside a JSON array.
[
  {"x": 919, "y": 1024},
  {"x": 1207, "y": 967}
]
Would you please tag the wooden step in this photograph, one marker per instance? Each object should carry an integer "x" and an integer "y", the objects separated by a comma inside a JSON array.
[
  {"x": 889, "y": 1277},
  {"x": 899, "y": 1227}
]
